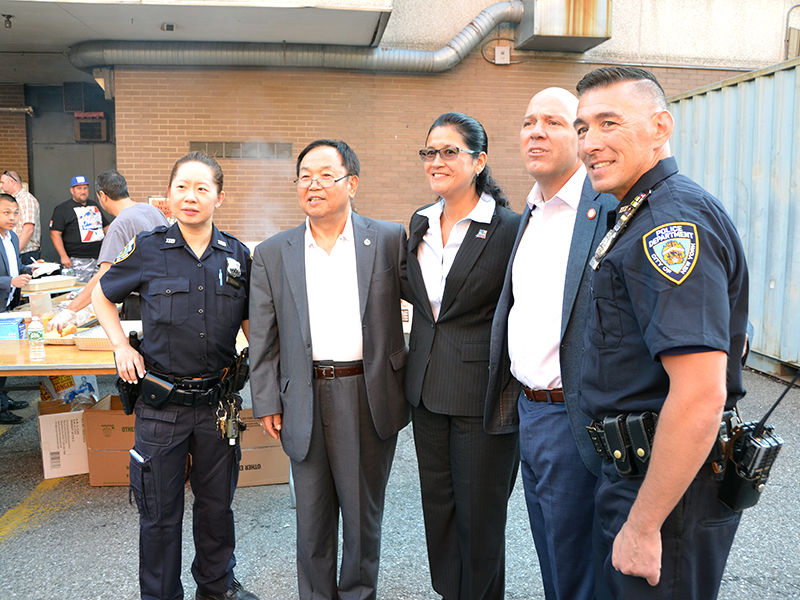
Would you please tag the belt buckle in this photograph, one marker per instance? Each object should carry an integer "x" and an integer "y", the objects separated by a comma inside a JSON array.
[{"x": 328, "y": 372}]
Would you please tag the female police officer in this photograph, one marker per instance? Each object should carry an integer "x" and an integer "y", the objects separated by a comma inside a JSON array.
[{"x": 193, "y": 281}]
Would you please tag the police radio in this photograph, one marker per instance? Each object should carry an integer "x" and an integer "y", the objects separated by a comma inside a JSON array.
[{"x": 749, "y": 455}]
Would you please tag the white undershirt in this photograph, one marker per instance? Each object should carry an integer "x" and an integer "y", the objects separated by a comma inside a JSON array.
[
  {"x": 13, "y": 268},
  {"x": 435, "y": 260},
  {"x": 334, "y": 311},
  {"x": 537, "y": 277}
]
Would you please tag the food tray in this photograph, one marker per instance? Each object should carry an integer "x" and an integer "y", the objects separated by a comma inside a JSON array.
[
  {"x": 96, "y": 338},
  {"x": 50, "y": 282},
  {"x": 60, "y": 341}
]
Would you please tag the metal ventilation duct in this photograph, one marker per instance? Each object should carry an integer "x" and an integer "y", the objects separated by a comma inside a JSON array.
[{"x": 231, "y": 54}]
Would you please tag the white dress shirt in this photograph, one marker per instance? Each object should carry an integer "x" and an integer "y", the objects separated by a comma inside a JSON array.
[
  {"x": 334, "y": 311},
  {"x": 537, "y": 278},
  {"x": 13, "y": 268},
  {"x": 435, "y": 259}
]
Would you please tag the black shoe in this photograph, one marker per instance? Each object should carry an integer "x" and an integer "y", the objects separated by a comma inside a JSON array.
[
  {"x": 237, "y": 592},
  {"x": 16, "y": 404},
  {"x": 9, "y": 418}
]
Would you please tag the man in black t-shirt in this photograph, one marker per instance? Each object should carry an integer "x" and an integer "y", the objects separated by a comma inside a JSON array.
[{"x": 77, "y": 229}]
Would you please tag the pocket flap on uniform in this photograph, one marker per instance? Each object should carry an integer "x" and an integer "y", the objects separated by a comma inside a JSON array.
[
  {"x": 167, "y": 287},
  {"x": 474, "y": 351}
]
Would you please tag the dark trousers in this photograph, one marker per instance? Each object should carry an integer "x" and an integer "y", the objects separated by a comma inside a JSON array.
[
  {"x": 466, "y": 477},
  {"x": 559, "y": 492},
  {"x": 696, "y": 538},
  {"x": 25, "y": 257},
  {"x": 346, "y": 469},
  {"x": 164, "y": 438}
]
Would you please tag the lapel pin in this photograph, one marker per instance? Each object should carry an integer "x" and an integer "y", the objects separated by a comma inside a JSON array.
[
  {"x": 481, "y": 234},
  {"x": 591, "y": 213},
  {"x": 367, "y": 242}
]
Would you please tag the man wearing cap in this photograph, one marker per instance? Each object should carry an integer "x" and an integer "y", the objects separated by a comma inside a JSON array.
[
  {"x": 28, "y": 227},
  {"x": 77, "y": 229}
]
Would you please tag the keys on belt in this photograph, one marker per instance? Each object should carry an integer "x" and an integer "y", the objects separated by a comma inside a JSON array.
[
  {"x": 334, "y": 370},
  {"x": 556, "y": 395}
]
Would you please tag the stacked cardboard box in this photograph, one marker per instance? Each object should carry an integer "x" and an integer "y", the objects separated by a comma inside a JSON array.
[
  {"x": 263, "y": 459},
  {"x": 62, "y": 440},
  {"x": 109, "y": 438}
]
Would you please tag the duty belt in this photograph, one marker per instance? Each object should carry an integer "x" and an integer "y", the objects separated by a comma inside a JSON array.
[{"x": 627, "y": 440}]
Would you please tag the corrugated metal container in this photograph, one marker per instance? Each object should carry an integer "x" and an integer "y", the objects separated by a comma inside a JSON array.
[{"x": 740, "y": 139}]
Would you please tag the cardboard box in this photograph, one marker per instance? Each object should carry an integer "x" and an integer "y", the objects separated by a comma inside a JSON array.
[
  {"x": 263, "y": 466},
  {"x": 109, "y": 467},
  {"x": 62, "y": 440},
  {"x": 12, "y": 328},
  {"x": 254, "y": 436},
  {"x": 107, "y": 426},
  {"x": 109, "y": 437}
]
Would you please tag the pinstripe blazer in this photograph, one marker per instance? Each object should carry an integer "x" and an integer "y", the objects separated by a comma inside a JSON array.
[
  {"x": 448, "y": 359},
  {"x": 503, "y": 392}
]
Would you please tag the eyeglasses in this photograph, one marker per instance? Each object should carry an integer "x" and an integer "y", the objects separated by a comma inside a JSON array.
[
  {"x": 325, "y": 181},
  {"x": 447, "y": 153},
  {"x": 11, "y": 175}
]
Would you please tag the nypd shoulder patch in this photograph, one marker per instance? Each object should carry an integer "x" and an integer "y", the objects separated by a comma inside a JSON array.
[
  {"x": 672, "y": 249},
  {"x": 126, "y": 251}
]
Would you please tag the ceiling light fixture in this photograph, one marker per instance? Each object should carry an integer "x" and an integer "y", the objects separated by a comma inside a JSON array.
[{"x": 8, "y": 21}]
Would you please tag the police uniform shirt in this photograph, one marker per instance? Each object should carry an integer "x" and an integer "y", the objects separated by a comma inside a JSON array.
[
  {"x": 675, "y": 282},
  {"x": 191, "y": 310}
]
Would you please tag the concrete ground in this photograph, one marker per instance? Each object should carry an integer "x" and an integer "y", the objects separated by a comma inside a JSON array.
[{"x": 62, "y": 539}]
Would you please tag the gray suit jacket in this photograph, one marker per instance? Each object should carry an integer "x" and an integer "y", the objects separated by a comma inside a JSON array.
[
  {"x": 5, "y": 272},
  {"x": 280, "y": 334},
  {"x": 503, "y": 391}
]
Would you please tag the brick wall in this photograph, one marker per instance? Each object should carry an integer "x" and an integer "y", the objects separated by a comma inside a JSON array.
[
  {"x": 384, "y": 117},
  {"x": 13, "y": 132}
]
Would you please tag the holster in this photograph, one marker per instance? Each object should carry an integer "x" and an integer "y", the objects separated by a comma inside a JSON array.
[
  {"x": 156, "y": 392},
  {"x": 241, "y": 370},
  {"x": 128, "y": 393}
]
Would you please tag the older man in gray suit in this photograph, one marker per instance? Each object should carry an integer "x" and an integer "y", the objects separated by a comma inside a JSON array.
[
  {"x": 538, "y": 332},
  {"x": 328, "y": 359}
]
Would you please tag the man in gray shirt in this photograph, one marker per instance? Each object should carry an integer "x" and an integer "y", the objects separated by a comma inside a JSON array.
[{"x": 131, "y": 218}]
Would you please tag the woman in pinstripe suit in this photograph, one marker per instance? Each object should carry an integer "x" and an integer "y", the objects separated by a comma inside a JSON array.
[{"x": 458, "y": 251}]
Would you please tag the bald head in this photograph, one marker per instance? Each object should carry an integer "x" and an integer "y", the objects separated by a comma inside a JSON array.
[
  {"x": 548, "y": 140},
  {"x": 10, "y": 182}
]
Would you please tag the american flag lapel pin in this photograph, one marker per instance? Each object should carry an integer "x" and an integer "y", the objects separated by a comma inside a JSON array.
[{"x": 481, "y": 234}]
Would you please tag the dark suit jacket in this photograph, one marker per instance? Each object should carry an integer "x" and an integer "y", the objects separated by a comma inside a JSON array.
[
  {"x": 503, "y": 391},
  {"x": 280, "y": 334},
  {"x": 448, "y": 359},
  {"x": 5, "y": 273}
]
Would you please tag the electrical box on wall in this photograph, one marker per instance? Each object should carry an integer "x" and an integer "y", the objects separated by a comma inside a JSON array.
[
  {"x": 564, "y": 25},
  {"x": 91, "y": 127}
]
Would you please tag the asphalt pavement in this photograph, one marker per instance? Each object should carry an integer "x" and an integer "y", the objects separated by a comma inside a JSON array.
[{"x": 63, "y": 539}]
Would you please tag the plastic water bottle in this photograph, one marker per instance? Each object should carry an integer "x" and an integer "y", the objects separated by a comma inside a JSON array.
[{"x": 36, "y": 339}]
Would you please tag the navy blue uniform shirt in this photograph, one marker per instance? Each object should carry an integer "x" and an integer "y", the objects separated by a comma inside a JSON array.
[
  {"x": 674, "y": 282},
  {"x": 191, "y": 313}
]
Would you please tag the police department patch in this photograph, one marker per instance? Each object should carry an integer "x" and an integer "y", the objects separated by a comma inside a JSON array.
[
  {"x": 126, "y": 251},
  {"x": 672, "y": 249}
]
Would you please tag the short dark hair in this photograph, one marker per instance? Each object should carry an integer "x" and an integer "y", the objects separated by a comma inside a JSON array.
[
  {"x": 112, "y": 184},
  {"x": 346, "y": 154},
  {"x": 8, "y": 198},
  {"x": 202, "y": 158},
  {"x": 606, "y": 76},
  {"x": 476, "y": 140}
]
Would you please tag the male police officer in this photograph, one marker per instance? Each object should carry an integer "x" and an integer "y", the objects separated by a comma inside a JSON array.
[{"x": 664, "y": 338}]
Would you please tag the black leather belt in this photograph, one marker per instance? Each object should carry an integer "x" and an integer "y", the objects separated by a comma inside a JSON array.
[
  {"x": 334, "y": 370},
  {"x": 556, "y": 395}
]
